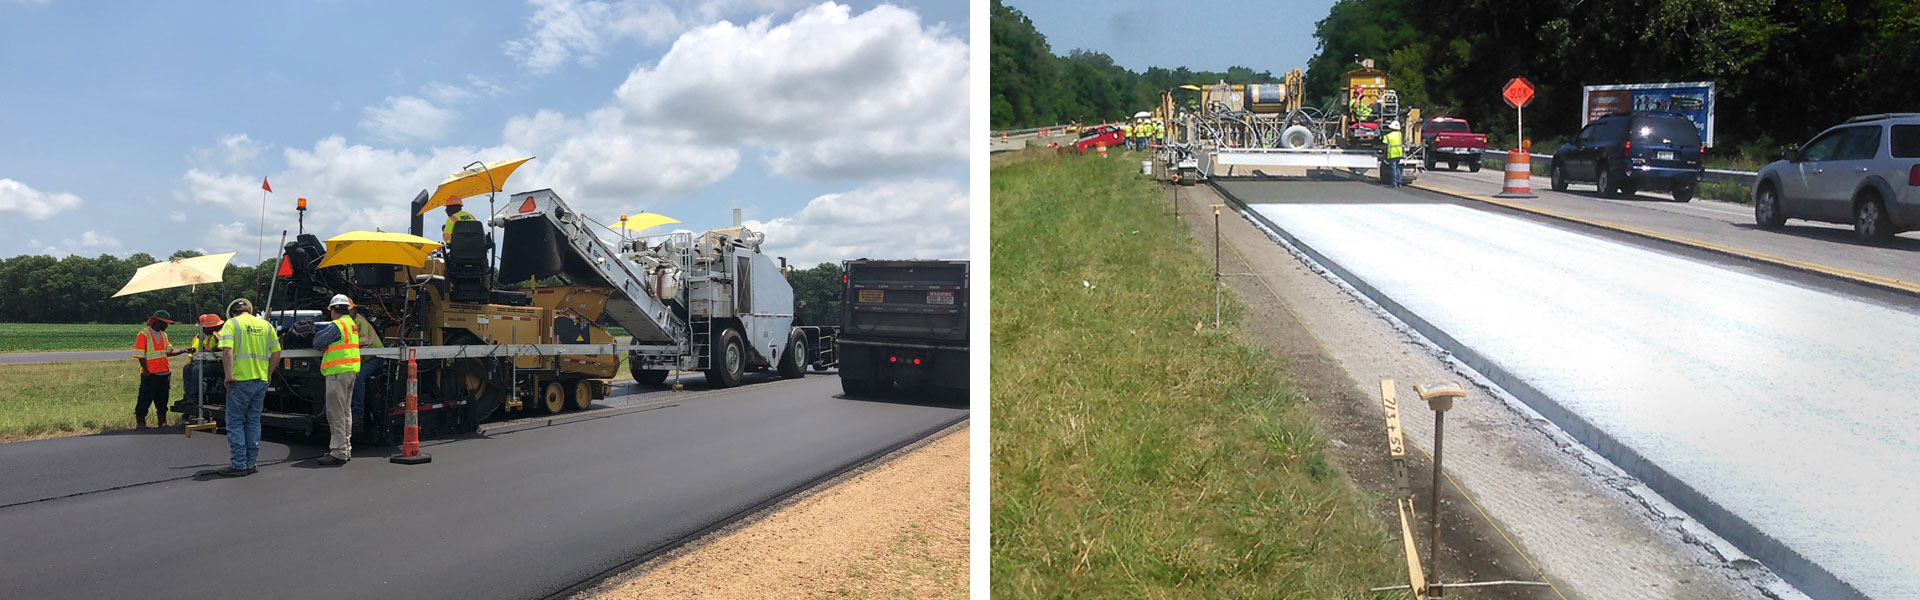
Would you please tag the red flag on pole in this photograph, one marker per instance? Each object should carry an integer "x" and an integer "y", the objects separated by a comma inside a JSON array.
[
  {"x": 286, "y": 268},
  {"x": 264, "y": 186}
]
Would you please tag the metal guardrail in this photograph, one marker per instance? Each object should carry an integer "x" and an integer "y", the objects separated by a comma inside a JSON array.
[
  {"x": 998, "y": 132},
  {"x": 1744, "y": 178}
]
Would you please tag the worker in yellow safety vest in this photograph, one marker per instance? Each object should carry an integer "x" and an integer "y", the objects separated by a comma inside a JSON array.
[
  {"x": 340, "y": 365},
  {"x": 1126, "y": 134},
  {"x": 250, "y": 353},
  {"x": 1395, "y": 150},
  {"x": 456, "y": 212},
  {"x": 1361, "y": 110},
  {"x": 209, "y": 342},
  {"x": 150, "y": 351}
]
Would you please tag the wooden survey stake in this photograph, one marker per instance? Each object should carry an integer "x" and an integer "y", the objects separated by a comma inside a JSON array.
[{"x": 1403, "y": 497}]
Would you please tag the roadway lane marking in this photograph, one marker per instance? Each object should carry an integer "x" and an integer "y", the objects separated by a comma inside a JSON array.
[{"x": 1898, "y": 285}]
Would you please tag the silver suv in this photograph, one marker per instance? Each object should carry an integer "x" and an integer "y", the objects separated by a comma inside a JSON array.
[{"x": 1865, "y": 171}]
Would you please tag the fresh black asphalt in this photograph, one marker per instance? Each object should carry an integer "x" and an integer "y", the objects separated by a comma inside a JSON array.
[{"x": 519, "y": 512}]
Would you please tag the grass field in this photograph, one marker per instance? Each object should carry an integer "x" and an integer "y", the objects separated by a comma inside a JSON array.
[
  {"x": 1136, "y": 454},
  {"x": 60, "y": 337},
  {"x": 70, "y": 398}
]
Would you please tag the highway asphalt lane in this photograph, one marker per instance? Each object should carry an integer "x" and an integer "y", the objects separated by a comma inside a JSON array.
[
  {"x": 1708, "y": 221},
  {"x": 20, "y": 358},
  {"x": 521, "y": 512},
  {"x": 1777, "y": 414}
]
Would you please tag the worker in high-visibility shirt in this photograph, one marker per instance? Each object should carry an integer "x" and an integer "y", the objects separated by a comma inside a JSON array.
[
  {"x": 456, "y": 212},
  {"x": 1361, "y": 110},
  {"x": 1126, "y": 134},
  {"x": 207, "y": 341},
  {"x": 250, "y": 351},
  {"x": 340, "y": 365},
  {"x": 150, "y": 351},
  {"x": 1395, "y": 149}
]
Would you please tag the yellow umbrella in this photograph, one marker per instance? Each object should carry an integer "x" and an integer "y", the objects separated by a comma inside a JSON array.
[
  {"x": 473, "y": 181},
  {"x": 378, "y": 248},
  {"x": 643, "y": 221},
  {"x": 177, "y": 272}
]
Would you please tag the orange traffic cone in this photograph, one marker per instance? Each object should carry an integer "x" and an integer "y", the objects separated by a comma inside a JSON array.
[
  {"x": 1519, "y": 182},
  {"x": 1101, "y": 150},
  {"x": 410, "y": 444}
]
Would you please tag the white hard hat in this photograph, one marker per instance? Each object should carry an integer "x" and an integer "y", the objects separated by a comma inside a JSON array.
[
  {"x": 1395, "y": 125},
  {"x": 340, "y": 300}
]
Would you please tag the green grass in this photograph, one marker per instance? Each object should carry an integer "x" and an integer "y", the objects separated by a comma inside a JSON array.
[
  {"x": 71, "y": 398},
  {"x": 1135, "y": 456},
  {"x": 59, "y": 337}
]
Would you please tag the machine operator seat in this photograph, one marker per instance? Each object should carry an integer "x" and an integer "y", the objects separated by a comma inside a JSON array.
[{"x": 467, "y": 270}]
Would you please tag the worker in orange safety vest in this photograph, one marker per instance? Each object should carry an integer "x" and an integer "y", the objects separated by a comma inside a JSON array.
[{"x": 151, "y": 350}]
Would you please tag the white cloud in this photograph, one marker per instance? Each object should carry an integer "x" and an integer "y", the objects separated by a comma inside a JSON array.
[
  {"x": 231, "y": 150},
  {"x": 407, "y": 119},
  {"x": 94, "y": 240},
  {"x": 603, "y": 165},
  {"x": 17, "y": 200},
  {"x": 924, "y": 218},
  {"x": 177, "y": 217},
  {"x": 580, "y": 30},
  {"x": 831, "y": 94},
  {"x": 475, "y": 87}
]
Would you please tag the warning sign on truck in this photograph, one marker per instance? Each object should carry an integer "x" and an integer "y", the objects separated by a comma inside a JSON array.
[
  {"x": 940, "y": 297},
  {"x": 873, "y": 295}
]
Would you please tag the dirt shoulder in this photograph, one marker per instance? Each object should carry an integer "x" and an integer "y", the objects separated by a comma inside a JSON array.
[{"x": 894, "y": 529}]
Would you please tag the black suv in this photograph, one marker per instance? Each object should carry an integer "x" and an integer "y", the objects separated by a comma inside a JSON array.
[{"x": 1627, "y": 152}]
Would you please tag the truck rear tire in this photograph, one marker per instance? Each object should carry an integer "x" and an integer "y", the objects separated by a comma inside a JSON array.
[
  {"x": 649, "y": 376},
  {"x": 858, "y": 387},
  {"x": 791, "y": 363},
  {"x": 728, "y": 365}
]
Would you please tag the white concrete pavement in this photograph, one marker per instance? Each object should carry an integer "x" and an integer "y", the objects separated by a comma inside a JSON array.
[{"x": 1772, "y": 412}]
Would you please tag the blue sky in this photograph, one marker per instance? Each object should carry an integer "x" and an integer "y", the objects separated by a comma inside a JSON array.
[
  {"x": 146, "y": 127},
  {"x": 1206, "y": 35}
]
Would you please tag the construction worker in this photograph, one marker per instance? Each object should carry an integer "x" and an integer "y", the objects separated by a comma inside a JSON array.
[
  {"x": 1126, "y": 133},
  {"x": 1361, "y": 110},
  {"x": 1394, "y": 151},
  {"x": 456, "y": 212},
  {"x": 250, "y": 353},
  {"x": 340, "y": 365},
  {"x": 207, "y": 341},
  {"x": 150, "y": 351},
  {"x": 369, "y": 338}
]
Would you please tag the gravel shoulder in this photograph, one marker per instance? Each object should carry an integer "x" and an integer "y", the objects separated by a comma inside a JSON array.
[{"x": 895, "y": 528}]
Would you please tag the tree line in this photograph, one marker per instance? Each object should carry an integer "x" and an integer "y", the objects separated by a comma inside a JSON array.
[
  {"x": 1032, "y": 87},
  {"x": 1784, "y": 70},
  {"x": 75, "y": 289}
]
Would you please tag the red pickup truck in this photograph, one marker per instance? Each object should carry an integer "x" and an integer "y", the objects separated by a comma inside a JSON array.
[
  {"x": 1099, "y": 135},
  {"x": 1451, "y": 141}
]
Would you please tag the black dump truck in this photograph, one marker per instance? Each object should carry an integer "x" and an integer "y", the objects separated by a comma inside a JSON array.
[{"x": 903, "y": 325}]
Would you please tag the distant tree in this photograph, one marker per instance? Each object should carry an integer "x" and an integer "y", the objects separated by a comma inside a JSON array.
[{"x": 816, "y": 294}]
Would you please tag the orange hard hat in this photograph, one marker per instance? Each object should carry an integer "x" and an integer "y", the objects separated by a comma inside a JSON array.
[
  {"x": 455, "y": 201},
  {"x": 211, "y": 320}
]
